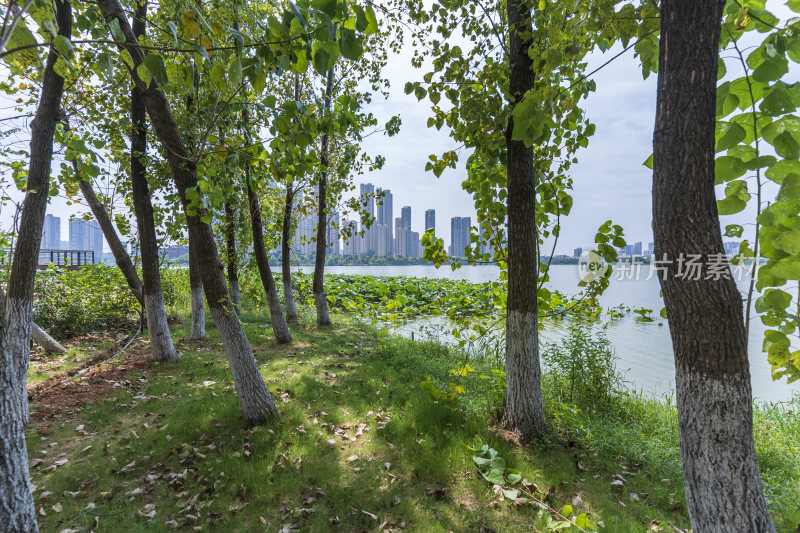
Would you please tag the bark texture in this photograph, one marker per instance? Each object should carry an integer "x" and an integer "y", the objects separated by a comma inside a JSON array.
[
  {"x": 523, "y": 409},
  {"x": 157, "y": 325},
  {"x": 16, "y": 502},
  {"x": 43, "y": 339},
  {"x": 279, "y": 326},
  {"x": 198, "y": 331},
  {"x": 121, "y": 256},
  {"x": 320, "y": 299},
  {"x": 715, "y": 418},
  {"x": 256, "y": 401},
  {"x": 230, "y": 252},
  {"x": 286, "y": 256}
]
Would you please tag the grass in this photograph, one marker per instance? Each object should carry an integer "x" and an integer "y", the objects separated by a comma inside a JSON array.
[{"x": 359, "y": 446}]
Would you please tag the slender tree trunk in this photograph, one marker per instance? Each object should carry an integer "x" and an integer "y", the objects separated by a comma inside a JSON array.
[
  {"x": 16, "y": 502},
  {"x": 198, "y": 331},
  {"x": 157, "y": 325},
  {"x": 120, "y": 254},
  {"x": 256, "y": 401},
  {"x": 230, "y": 246},
  {"x": 43, "y": 339},
  {"x": 286, "y": 256},
  {"x": 320, "y": 298},
  {"x": 524, "y": 410},
  {"x": 279, "y": 326},
  {"x": 715, "y": 414}
]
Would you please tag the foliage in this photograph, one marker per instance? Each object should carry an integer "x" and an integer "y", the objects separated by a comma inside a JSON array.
[
  {"x": 509, "y": 484},
  {"x": 582, "y": 368},
  {"x": 72, "y": 302}
]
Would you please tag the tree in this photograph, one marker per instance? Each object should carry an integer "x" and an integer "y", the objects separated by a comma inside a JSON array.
[
  {"x": 523, "y": 409},
  {"x": 256, "y": 401},
  {"x": 715, "y": 415},
  {"x": 157, "y": 325},
  {"x": 198, "y": 330},
  {"x": 16, "y": 501}
]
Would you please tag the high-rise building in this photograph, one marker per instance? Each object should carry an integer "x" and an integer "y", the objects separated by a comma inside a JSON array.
[
  {"x": 459, "y": 235},
  {"x": 430, "y": 220},
  {"x": 51, "y": 233},
  {"x": 333, "y": 234},
  {"x": 577, "y": 252},
  {"x": 637, "y": 248},
  {"x": 384, "y": 236},
  {"x": 414, "y": 249},
  {"x": 369, "y": 240},
  {"x": 405, "y": 216},
  {"x": 350, "y": 245},
  {"x": 86, "y": 235}
]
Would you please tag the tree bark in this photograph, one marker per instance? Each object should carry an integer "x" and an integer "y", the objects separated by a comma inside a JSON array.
[
  {"x": 120, "y": 255},
  {"x": 198, "y": 331},
  {"x": 523, "y": 410},
  {"x": 279, "y": 326},
  {"x": 320, "y": 298},
  {"x": 157, "y": 325},
  {"x": 16, "y": 502},
  {"x": 43, "y": 339},
  {"x": 230, "y": 251},
  {"x": 256, "y": 401},
  {"x": 286, "y": 256},
  {"x": 713, "y": 391}
]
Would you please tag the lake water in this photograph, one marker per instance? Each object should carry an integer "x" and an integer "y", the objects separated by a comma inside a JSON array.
[{"x": 644, "y": 349}]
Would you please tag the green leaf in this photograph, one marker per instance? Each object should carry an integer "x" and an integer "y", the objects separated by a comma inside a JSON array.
[
  {"x": 778, "y": 101},
  {"x": 730, "y": 135},
  {"x": 326, "y": 6},
  {"x": 728, "y": 167},
  {"x": 144, "y": 74},
  {"x": 372, "y": 20},
  {"x": 351, "y": 45},
  {"x": 649, "y": 162},
  {"x": 781, "y": 169},
  {"x": 736, "y": 198},
  {"x": 790, "y": 189},
  {"x": 772, "y": 69},
  {"x": 786, "y": 146},
  {"x": 321, "y": 60},
  {"x": 494, "y": 476},
  {"x": 155, "y": 64},
  {"x": 64, "y": 46}
]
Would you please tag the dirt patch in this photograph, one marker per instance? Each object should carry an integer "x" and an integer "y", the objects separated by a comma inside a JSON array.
[{"x": 52, "y": 400}]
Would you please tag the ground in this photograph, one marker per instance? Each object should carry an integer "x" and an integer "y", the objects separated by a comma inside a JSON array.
[{"x": 359, "y": 446}]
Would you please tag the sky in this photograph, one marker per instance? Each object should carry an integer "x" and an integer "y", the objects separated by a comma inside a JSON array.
[{"x": 610, "y": 181}]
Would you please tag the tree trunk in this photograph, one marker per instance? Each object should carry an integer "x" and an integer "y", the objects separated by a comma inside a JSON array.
[
  {"x": 320, "y": 298},
  {"x": 523, "y": 410},
  {"x": 230, "y": 251},
  {"x": 43, "y": 339},
  {"x": 286, "y": 257},
  {"x": 715, "y": 416},
  {"x": 256, "y": 401},
  {"x": 157, "y": 325},
  {"x": 282, "y": 334},
  {"x": 39, "y": 336},
  {"x": 198, "y": 331},
  {"x": 120, "y": 255},
  {"x": 16, "y": 502}
]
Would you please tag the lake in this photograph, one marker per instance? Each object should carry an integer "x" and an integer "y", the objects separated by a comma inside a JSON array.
[{"x": 644, "y": 349}]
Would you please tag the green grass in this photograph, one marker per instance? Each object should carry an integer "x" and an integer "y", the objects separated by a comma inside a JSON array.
[{"x": 197, "y": 465}]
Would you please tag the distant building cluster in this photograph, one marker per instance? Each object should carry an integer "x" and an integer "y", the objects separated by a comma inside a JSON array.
[
  {"x": 304, "y": 241},
  {"x": 83, "y": 235},
  {"x": 637, "y": 249}
]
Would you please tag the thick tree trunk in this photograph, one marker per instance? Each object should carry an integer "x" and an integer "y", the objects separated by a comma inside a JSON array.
[
  {"x": 523, "y": 410},
  {"x": 198, "y": 331},
  {"x": 39, "y": 336},
  {"x": 279, "y": 326},
  {"x": 286, "y": 257},
  {"x": 157, "y": 325},
  {"x": 16, "y": 502},
  {"x": 715, "y": 417},
  {"x": 230, "y": 252},
  {"x": 256, "y": 401},
  {"x": 320, "y": 298},
  {"x": 120, "y": 255}
]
